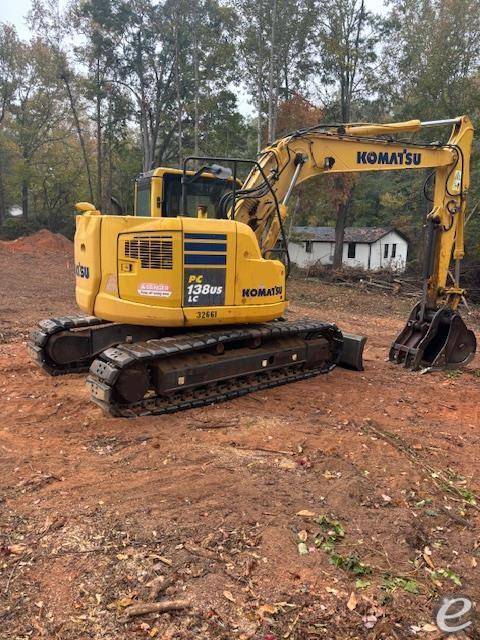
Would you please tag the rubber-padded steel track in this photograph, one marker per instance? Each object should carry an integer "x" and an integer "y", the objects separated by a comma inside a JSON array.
[
  {"x": 107, "y": 369},
  {"x": 39, "y": 339}
]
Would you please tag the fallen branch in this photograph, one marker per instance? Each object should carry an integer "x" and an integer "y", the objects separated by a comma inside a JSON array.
[
  {"x": 198, "y": 551},
  {"x": 437, "y": 477},
  {"x": 155, "y": 607},
  {"x": 159, "y": 585}
]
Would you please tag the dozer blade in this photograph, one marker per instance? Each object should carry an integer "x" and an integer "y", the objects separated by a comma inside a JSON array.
[
  {"x": 439, "y": 341},
  {"x": 352, "y": 352}
]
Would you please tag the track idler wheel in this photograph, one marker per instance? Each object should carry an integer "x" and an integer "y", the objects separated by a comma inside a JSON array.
[
  {"x": 132, "y": 384},
  {"x": 442, "y": 341}
]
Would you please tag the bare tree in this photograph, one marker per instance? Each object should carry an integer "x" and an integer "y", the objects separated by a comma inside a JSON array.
[
  {"x": 9, "y": 63},
  {"x": 53, "y": 26},
  {"x": 346, "y": 46},
  {"x": 272, "y": 72}
]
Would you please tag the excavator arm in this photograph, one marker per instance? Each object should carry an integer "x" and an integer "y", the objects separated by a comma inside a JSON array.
[{"x": 435, "y": 335}]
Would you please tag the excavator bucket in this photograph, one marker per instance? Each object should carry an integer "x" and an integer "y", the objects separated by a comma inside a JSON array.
[{"x": 440, "y": 340}]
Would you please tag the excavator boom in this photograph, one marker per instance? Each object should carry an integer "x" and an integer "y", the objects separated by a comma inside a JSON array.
[{"x": 435, "y": 335}]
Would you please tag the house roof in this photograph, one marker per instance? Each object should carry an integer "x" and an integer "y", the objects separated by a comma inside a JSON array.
[{"x": 352, "y": 234}]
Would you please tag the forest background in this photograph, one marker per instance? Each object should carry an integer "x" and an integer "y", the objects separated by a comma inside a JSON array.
[{"x": 105, "y": 89}]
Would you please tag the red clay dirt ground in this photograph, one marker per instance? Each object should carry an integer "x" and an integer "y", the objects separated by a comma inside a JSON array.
[{"x": 339, "y": 507}]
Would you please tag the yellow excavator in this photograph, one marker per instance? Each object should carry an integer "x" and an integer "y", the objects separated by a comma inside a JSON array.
[{"x": 185, "y": 299}]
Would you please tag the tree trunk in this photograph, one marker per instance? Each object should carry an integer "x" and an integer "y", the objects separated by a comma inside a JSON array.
[
  {"x": 340, "y": 225},
  {"x": 147, "y": 144},
  {"x": 3, "y": 204},
  {"x": 271, "y": 74},
  {"x": 179, "y": 98},
  {"x": 259, "y": 93},
  {"x": 25, "y": 198},
  {"x": 196, "y": 77},
  {"x": 100, "y": 202},
  {"x": 79, "y": 133},
  {"x": 109, "y": 151}
]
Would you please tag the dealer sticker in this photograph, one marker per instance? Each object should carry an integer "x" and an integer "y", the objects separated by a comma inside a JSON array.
[{"x": 154, "y": 289}]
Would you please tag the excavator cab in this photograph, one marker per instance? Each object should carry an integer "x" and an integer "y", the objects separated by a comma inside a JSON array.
[{"x": 158, "y": 193}]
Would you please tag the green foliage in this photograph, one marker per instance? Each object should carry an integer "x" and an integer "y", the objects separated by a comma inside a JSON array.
[
  {"x": 467, "y": 495},
  {"x": 362, "y": 584},
  {"x": 448, "y": 574},
  {"x": 13, "y": 228},
  {"x": 331, "y": 533},
  {"x": 392, "y": 583},
  {"x": 350, "y": 563}
]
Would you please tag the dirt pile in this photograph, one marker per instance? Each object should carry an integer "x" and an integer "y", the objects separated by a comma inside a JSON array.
[
  {"x": 39, "y": 243},
  {"x": 37, "y": 281}
]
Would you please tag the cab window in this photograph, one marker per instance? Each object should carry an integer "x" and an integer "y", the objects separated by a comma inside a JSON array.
[
  {"x": 143, "y": 198},
  {"x": 204, "y": 191}
]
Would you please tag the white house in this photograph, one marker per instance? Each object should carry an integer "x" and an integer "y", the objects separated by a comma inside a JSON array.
[{"x": 366, "y": 247}]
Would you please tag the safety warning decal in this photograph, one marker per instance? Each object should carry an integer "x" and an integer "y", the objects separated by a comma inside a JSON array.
[{"x": 154, "y": 289}]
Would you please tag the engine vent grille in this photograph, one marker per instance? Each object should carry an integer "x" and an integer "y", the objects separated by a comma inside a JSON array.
[{"x": 154, "y": 252}]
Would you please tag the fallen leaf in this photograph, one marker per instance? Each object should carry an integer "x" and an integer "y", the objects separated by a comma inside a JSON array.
[
  {"x": 429, "y": 627},
  {"x": 473, "y": 563},
  {"x": 302, "y": 535},
  {"x": 267, "y": 609},
  {"x": 426, "y": 556},
  {"x": 122, "y": 603},
  {"x": 287, "y": 464},
  {"x": 302, "y": 549},
  {"x": 305, "y": 513},
  {"x": 329, "y": 475},
  {"x": 331, "y": 590},
  {"x": 16, "y": 549},
  {"x": 369, "y": 621},
  {"x": 352, "y": 601},
  {"x": 228, "y": 596}
]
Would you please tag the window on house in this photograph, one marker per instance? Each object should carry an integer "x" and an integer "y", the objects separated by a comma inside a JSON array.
[
  {"x": 394, "y": 250},
  {"x": 309, "y": 246},
  {"x": 352, "y": 246},
  {"x": 385, "y": 250}
]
